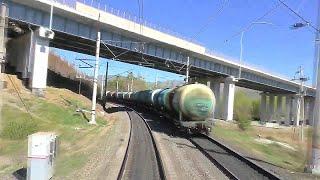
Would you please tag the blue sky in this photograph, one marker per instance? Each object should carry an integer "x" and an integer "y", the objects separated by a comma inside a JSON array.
[{"x": 273, "y": 48}]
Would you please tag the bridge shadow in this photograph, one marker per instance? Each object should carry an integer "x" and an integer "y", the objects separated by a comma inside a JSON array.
[
  {"x": 156, "y": 122},
  {"x": 161, "y": 124}
]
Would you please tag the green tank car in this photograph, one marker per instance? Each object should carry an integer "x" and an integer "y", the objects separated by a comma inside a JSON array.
[{"x": 194, "y": 101}]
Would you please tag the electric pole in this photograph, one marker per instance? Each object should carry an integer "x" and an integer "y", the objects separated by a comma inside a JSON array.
[
  {"x": 3, "y": 13},
  {"x": 299, "y": 76},
  {"x": 79, "y": 88},
  {"x": 315, "y": 161},
  {"x": 187, "y": 70},
  {"x": 156, "y": 81},
  {"x": 51, "y": 16},
  {"x": 95, "y": 81},
  {"x": 117, "y": 90},
  {"x": 106, "y": 81},
  {"x": 131, "y": 81},
  {"x": 101, "y": 89}
]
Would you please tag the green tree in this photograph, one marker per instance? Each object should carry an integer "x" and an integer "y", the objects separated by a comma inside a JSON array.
[
  {"x": 243, "y": 110},
  {"x": 256, "y": 109},
  {"x": 123, "y": 81}
]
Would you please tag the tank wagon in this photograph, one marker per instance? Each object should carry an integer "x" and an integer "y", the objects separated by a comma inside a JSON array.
[{"x": 190, "y": 107}]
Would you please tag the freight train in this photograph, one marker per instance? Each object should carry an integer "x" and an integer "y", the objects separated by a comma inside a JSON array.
[{"x": 190, "y": 107}]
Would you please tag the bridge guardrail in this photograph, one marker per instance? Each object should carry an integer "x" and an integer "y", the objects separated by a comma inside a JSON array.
[{"x": 106, "y": 8}]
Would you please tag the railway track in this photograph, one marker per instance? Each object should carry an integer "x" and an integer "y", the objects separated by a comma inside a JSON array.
[
  {"x": 142, "y": 160},
  {"x": 142, "y": 156},
  {"x": 234, "y": 165}
]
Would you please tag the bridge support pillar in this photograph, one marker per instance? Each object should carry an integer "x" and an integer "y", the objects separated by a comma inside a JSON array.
[
  {"x": 216, "y": 90},
  {"x": 288, "y": 110},
  {"x": 271, "y": 108},
  {"x": 228, "y": 98},
  {"x": 39, "y": 57},
  {"x": 29, "y": 55},
  {"x": 309, "y": 111},
  {"x": 279, "y": 108},
  {"x": 263, "y": 107},
  {"x": 215, "y": 87}
]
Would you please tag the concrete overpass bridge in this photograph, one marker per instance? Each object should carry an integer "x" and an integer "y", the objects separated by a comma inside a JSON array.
[{"x": 75, "y": 27}]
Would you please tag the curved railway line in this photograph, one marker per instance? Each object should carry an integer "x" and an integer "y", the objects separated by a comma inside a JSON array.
[
  {"x": 234, "y": 165},
  {"x": 142, "y": 160},
  {"x": 231, "y": 163}
]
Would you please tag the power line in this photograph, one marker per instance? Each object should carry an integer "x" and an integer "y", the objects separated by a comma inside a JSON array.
[
  {"x": 19, "y": 95},
  {"x": 298, "y": 15},
  {"x": 211, "y": 19},
  {"x": 257, "y": 19}
]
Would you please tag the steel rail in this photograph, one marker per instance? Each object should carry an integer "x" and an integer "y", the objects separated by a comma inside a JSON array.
[
  {"x": 157, "y": 153},
  {"x": 158, "y": 156},
  {"x": 123, "y": 165}
]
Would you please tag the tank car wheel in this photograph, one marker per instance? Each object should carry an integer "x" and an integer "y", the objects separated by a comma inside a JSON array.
[
  {"x": 189, "y": 132},
  {"x": 207, "y": 133}
]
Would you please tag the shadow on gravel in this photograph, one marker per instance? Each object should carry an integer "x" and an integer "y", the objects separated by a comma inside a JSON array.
[
  {"x": 111, "y": 110},
  {"x": 181, "y": 145},
  {"x": 160, "y": 124},
  {"x": 20, "y": 174}
]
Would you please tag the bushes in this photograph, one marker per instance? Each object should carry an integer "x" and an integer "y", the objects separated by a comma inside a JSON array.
[
  {"x": 246, "y": 108},
  {"x": 243, "y": 110},
  {"x": 256, "y": 109}
]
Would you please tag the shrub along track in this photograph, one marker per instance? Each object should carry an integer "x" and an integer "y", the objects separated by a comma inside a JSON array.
[
  {"x": 142, "y": 160},
  {"x": 234, "y": 165}
]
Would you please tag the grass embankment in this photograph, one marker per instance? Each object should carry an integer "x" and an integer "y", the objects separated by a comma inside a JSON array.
[
  {"x": 56, "y": 112},
  {"x": 273, "y": 153}
]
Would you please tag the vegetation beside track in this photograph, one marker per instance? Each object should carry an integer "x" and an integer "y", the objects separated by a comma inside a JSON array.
[
  {"x": 278, "y": 155},
  {"x": 56, "y": 112}
]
